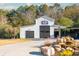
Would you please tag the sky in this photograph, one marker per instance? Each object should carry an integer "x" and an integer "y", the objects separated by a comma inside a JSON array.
[{"x": 16, "y": 5}]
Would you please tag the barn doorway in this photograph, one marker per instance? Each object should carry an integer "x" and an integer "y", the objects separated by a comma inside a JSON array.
[
  {"x": 29, "y": 34},
  {"x": 56, "y": 33},
  {"x": 44, "y": 31}
]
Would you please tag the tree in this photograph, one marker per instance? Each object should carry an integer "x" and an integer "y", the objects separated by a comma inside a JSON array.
[
  {"x": 12, "y": 18},
  {"x": 45, "y": 9},
  {"x": 37, "y": 11},
  {"x": 76, "y": 23},
  {"x": 3, "y": 18},
  {"x": 65, "y": 22},
  {"x": 31, "y": 14},
  {"x": 56, "y": 11},
  {"x": 7, "y": 31},
  {"x": 12, "y": 31},
  {"x": 22, "y": 9},
  {"x": 72, "y": 12},
  {"x": 16, "y": 19}
]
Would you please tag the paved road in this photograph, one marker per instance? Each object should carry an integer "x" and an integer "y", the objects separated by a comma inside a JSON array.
[{"x": 21, "y": 49}]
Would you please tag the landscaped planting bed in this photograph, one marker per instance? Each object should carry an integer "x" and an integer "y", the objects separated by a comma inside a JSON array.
[{"x": 65, "y": 46}]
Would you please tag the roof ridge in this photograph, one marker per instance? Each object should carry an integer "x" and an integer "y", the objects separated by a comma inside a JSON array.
[{"x": 49, "y": 18}]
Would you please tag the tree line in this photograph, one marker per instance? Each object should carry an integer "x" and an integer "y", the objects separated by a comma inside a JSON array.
[{"x": 12, "y": 20}]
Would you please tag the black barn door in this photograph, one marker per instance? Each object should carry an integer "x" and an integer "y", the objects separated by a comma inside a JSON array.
[
  {"x": 29, "y": 34},
  {"x": 44, "y": 31}
]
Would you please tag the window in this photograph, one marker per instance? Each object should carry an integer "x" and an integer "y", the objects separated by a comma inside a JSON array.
[{"x": 44, "y": 22}]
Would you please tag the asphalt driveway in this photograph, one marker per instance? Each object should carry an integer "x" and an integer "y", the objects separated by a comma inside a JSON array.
[{"x": 21, "y": 49}]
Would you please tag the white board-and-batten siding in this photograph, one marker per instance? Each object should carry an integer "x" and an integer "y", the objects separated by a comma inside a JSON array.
[{"x": 36, "y": 27}]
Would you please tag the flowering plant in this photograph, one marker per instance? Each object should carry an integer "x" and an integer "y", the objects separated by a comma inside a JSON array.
[{"x": 66, "y": 53}]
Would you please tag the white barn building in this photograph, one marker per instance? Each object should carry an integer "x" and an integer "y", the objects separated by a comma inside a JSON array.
[{"x": 43, "y": 28}]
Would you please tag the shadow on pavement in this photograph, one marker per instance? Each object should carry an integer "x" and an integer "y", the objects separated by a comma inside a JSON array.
[{"x": 36, "y": 53}]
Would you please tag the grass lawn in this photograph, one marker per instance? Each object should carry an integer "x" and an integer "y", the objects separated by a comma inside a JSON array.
[{"x": 12, "y": 41}]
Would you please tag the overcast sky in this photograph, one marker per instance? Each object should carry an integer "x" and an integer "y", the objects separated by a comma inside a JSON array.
[{"x": 16, "y": 5}]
